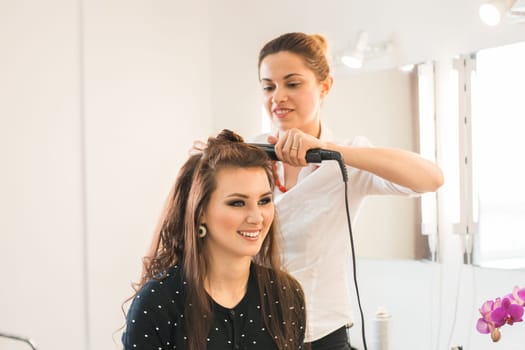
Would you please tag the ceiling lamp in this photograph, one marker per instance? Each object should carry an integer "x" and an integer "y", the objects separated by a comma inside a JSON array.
[
  {"x": 355, "y": 57},
  {"x": 493, "y": 11}
]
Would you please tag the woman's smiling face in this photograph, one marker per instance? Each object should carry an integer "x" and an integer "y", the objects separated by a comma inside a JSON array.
[
  {"x": 239, "y": 213},
  {"x": 292, "y": 94}
]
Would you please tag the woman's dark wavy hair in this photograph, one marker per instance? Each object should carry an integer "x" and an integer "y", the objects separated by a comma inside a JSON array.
[{"x": 179, "y": 243}]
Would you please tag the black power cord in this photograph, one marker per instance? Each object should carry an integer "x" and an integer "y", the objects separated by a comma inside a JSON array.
[
  {"x": 28, "y": 341},
  {"x": 354, "y": 269},
  {"x": 317, "y": 155}
]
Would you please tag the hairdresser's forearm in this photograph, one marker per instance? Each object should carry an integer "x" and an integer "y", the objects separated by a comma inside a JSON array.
[{"x": 402, "y": 167}]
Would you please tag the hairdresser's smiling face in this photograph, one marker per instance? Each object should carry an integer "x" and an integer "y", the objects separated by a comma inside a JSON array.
[
  {"x": 238, "y": 215},
  {"x": 292, "y": 93}
]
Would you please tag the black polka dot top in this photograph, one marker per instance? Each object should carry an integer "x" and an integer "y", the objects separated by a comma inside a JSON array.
[{"x": 155, "y": 320}]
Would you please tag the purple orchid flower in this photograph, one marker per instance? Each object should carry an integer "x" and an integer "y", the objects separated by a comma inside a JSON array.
[
  {"x": 501, "y": 311},
  {"x": 507, "y": 312},
  {"x": 485, "y": 324},
  {"x": 518, "y": 294}
]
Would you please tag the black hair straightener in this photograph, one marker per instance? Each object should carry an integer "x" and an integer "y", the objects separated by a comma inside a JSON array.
[{"x": 314, "y": 155}]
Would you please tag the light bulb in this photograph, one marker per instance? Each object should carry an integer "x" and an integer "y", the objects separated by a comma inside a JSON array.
[
  {"x": 489, "y": 14},
  {"x": 407, "y": 68},
  {"x": 352, "y": 61}
]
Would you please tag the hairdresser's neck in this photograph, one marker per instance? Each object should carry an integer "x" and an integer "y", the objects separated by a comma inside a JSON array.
[
  {"x": 313, "y": 128},
  {"x": 226, "y": 282}
]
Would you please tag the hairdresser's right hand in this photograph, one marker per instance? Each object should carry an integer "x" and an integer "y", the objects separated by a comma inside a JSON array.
[{"x": 291, "y": 146}]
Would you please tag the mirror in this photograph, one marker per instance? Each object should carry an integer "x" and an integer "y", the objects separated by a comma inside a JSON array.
[{"x": 388, "y": 227}]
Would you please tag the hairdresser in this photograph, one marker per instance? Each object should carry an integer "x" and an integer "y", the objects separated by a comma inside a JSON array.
[{"x": 295, "y": 79}]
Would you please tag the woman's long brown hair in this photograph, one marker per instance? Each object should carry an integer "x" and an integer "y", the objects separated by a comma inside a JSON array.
[{"x": 178, "y": 243}]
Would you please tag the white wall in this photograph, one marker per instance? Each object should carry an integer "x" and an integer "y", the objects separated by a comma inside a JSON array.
[
  {"x": 147, "y": 98},
  {"x": 100, "y": 103},
  {"x": 41, "y": 214}
]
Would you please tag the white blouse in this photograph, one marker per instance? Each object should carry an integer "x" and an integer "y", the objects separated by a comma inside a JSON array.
[{"x": 314, "y": 226}]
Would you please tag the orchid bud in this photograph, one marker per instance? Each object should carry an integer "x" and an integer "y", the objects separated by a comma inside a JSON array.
[{"x": 495, "y": 335}]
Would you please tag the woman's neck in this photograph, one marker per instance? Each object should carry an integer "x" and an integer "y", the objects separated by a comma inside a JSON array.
[
  {"x": 226, "y": 283},
  {"x": 313, "y": 129}
]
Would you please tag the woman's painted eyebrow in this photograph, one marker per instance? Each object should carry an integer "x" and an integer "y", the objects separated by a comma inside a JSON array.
[
  {"x": 287, "y": 76},
  {"x": 245, "y": 196},
  {"x": 291, "y": 75}
]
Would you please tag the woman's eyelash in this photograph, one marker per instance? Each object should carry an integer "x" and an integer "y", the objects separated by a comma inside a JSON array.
[
  {"x": 290, "y": 84},
  {"x": 236, "y": 203},
  {"x": 240, "y": 203},
  {"x": 265, "y": 200}
]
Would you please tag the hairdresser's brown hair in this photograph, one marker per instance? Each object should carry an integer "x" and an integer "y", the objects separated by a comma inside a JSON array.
[
  {"x": 179, "y": 244},
  {"x": 312, "y": 48}
]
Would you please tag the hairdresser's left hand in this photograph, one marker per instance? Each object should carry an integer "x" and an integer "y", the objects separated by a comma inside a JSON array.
[{"x": 291, "y": 146}]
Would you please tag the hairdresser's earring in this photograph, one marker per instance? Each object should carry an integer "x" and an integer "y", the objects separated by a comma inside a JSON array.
[{"x": 202, "y": 231}]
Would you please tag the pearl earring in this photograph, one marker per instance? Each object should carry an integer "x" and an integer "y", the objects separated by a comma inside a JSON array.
[{"x": 202, "y": 231}]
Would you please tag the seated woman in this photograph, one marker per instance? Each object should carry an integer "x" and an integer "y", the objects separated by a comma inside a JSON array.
[{"x": 216, "y": 280}]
